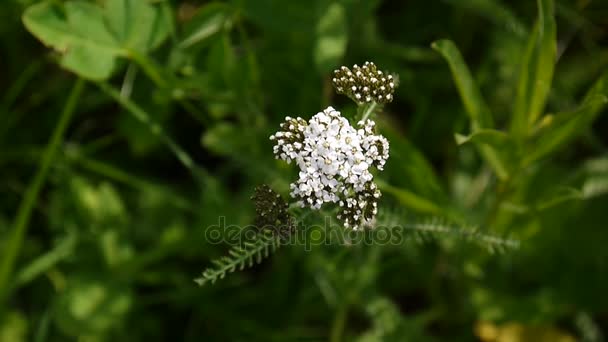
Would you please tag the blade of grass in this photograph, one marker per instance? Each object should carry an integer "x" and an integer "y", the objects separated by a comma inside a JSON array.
[
  {"x": 45, "y": 262},
  {"x": 28, "y": 202}
]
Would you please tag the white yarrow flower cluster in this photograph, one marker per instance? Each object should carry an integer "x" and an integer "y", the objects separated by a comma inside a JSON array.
[{"x": 334, "y": 160}]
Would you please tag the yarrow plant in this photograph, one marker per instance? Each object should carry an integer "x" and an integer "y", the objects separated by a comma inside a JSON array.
[
  {"x": 337, "y": 160},
  {"x": 334, "y": 158}
]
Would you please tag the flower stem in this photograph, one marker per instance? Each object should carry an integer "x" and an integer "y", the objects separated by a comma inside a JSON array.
[
  {"x": 28, "y": 202},
  {"x": 337, "y": 329},
  {"x": 366, "y": 110}
]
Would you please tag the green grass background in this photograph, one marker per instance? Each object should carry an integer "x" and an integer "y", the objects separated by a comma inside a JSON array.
[{"x": 128, "y": 130}]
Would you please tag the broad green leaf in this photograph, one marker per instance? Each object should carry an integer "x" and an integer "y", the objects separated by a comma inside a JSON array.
[
  {"x": 536, "y": 71},
  {"x": 331, "y": 38},
  {"x": 208, "y": 21},
  {"x": 474, "y": 104},
  {"x": 137, "y": 25},
  {"x": 90, "y": 38},
  {"x": 78, "y": 32},
  {"x": 563, "y": 127}
]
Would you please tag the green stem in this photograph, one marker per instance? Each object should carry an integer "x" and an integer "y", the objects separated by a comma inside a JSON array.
[
  {"x": 149, "y": 69},
  {"x": 156, "y": 129},
  {"x": 337, "y": 328},
  {"x": 111, "y": 172},
  {"x": 154, "y": 73},
  {"x": 367, "y": 110},
  {"x": 28, "y": 202}
]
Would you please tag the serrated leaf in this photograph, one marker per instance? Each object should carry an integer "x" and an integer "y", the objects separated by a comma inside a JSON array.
[{"x": 252, "y": 253}]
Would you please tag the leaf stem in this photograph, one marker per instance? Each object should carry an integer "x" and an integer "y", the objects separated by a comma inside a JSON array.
[{"x": 28, "y": 202}]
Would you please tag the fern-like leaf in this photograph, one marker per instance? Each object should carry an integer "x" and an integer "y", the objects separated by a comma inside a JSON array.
[
  {"x": 430, "y": 228},
  {"x": 240, "y": 257}
]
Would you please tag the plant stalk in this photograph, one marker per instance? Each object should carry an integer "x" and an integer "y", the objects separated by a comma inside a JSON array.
[
  {"x": 337, "y": 328},
  {"x": 367, "y": 110},
  {"x": 24, "y": 213}
]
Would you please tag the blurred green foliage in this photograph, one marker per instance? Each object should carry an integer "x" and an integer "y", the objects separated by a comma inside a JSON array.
[{"x": 160, "y": 113}]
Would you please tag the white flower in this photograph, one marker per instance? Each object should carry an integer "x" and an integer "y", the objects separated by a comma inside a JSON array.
[{"x": 334, "y": 160}]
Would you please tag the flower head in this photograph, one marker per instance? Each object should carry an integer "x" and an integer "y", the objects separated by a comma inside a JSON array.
[
  {"x": 364, "y": 84},
  {"x": 334, "y": 160},
  {"x": 271, "y": 211}
]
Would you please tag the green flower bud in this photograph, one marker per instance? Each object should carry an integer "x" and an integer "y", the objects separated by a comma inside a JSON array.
[{"x": 365, "y": 84}]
